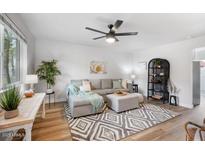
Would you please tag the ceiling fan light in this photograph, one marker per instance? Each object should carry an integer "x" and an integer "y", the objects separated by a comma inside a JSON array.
[{"x": 110, "y": 39}]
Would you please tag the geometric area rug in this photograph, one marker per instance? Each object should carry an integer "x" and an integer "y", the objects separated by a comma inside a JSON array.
[{"x": 112, "y": 126}]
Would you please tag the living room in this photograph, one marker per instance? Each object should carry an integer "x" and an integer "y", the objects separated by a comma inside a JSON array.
[
  {"x": 120, "y": 59},
  {"x": 102, "y": 76}
]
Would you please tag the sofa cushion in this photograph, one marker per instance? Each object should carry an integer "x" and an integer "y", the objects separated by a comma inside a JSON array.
[
  {"x": 103, "y": 91},
  {"x": 75, "y": 101},
  {"x": 116, "y": 79},
  {"x": 106, "y": 83},
  {"x": 124, "y": 90},
  {"x": 95, "y": 84}
]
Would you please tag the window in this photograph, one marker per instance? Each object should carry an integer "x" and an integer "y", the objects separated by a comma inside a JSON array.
[{"x": 10, "y": 57}]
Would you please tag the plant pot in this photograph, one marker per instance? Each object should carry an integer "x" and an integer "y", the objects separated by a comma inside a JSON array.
[
  {"x": 11, "y": 114},
  {"x": 49, "y": 91},
  {"x": 158, "y": 66}
]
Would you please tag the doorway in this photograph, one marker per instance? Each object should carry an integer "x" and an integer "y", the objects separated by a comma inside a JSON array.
[
  {"x": 198, "y": 75},
  {"x": 202, "y": 78},
  {"x": 198, "y": 82}
]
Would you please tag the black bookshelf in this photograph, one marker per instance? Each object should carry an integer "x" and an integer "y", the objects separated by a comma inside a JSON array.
[{"x": 158, "y": 76}]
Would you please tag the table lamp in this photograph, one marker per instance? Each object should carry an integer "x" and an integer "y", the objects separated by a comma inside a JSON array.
[{"x": 31, "y": 79}]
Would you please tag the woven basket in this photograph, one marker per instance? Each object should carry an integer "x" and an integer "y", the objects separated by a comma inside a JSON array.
[{"x": 11, "y": 114}]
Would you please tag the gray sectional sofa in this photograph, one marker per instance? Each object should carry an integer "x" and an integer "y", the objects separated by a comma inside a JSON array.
[
  {"x": 100, "y": 86},
  {"x": 81, "y": 107}
]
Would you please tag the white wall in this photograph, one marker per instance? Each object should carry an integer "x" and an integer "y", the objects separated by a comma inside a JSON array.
[
  {"x": 74, "y": 60},
  {"x": 180, "y": 57},
  {"x": 30, "y": 40}
]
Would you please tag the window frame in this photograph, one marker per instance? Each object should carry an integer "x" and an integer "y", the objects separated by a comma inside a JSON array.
[{"x": 17, "y": 83}]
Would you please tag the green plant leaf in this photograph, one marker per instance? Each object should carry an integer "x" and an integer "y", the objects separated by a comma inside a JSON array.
[
  {"x": 48, "y": 71},
  {"x": 10, "y": 99}
]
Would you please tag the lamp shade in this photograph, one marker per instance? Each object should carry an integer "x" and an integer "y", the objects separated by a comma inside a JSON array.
[
  {"x": 133, "y": 76},
  {"x": 31, "y": 79}
]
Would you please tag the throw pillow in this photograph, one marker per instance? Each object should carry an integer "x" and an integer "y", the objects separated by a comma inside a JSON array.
[
  {"x": 82, "y": 88},
  {"x": 117, "y": 84},
  {"x": 86, "y": 86},
  {"x": 124, "y": 84}
]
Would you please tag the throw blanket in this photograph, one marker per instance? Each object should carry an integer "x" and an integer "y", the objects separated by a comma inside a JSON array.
[
  {"x": 95, "y": 99},
  {"x": 72, "y": 90}
]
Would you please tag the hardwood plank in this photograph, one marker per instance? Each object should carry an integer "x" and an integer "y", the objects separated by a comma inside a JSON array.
[
  {"x": 38, "y": 131},
  {"x": 55, "y": 125},
  {"x": 55, "y": 136}
]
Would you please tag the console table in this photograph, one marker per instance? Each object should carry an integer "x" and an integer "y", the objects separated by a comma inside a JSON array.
[{"x": 28, "y": 108}]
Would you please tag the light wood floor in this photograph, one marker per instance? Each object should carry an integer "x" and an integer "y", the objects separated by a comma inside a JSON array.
[{"x": 55, "y": 126}]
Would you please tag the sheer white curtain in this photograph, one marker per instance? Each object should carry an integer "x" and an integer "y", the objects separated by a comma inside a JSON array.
[{"x": 23, "y": 64}]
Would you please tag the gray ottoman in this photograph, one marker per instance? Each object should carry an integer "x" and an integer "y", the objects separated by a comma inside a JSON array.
[{"x": 123, "y": 103}]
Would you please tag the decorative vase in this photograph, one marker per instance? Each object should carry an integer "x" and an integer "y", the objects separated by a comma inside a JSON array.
[
  {"x": 28, "y": 93},
  {"x": 158, "y": 66},
  {"x": 11, "y": 114}
]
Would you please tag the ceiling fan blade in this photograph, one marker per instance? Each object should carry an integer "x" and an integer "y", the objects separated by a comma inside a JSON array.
[
  {"x": 126, "y": 34},
  {"x": 95, "y": 30},
  {"x": 98, "y": 37},
  {"x": 116, "y": 39},
  {"x": 117, "y": 24}
]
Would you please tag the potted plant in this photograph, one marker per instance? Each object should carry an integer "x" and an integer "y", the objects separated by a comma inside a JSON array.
[
  {"x": 158, "y": 63},
  {"x": 173, "y": 92},
  {"x": 9, "y": 101},
  {"x": 48, "y": 71},
  {"x": 172, "y": 88}
]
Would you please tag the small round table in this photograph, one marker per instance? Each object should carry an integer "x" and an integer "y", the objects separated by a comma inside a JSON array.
[
  {"x": 135, "y": 88},
  {"x": 49, "y": 97}
]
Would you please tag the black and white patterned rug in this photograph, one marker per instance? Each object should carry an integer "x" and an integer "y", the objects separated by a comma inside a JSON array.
[{"x": 112, "y": 126}]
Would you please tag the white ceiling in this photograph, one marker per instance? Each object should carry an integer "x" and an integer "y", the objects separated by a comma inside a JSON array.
[{"x": 154, "y": 29}]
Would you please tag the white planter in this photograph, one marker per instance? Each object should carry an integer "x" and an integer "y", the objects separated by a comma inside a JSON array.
[{"x": 49, "y": 90}]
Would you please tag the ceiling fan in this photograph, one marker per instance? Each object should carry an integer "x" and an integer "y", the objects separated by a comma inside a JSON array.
[{"x": 111, "y": 35}]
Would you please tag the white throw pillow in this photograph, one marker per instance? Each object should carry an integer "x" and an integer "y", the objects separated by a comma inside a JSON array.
[
  {"x": 124, "y": 84},
  {"x": 82, "y": 88},
  {"x": 86, "y": 86}
]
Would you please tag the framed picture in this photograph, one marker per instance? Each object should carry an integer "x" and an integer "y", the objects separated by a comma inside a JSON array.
[{"x": 97, "y": 67}]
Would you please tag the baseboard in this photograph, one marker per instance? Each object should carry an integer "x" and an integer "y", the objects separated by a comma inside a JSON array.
[{"x": 187, "y": 106}]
